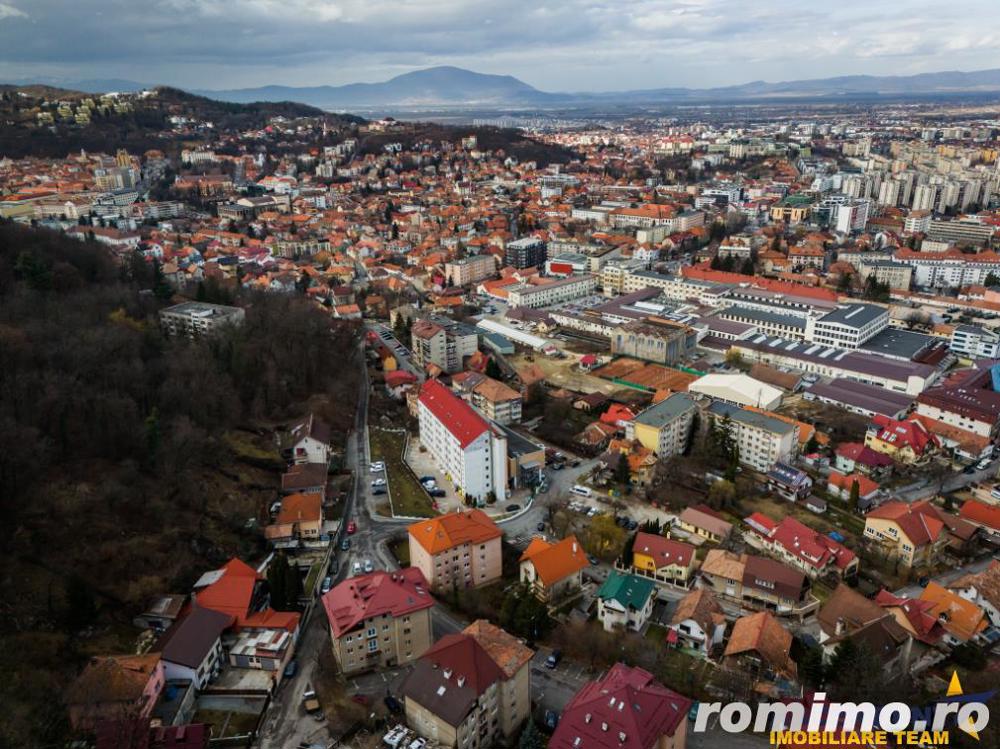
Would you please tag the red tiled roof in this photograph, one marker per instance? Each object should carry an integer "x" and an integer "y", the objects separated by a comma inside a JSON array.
[
  {"x": 626, "y": 709},
  {"x": 232, "y": 593},
  {"x": 917, "y": 613},
  {"x": 906, "y": 432},
  {"x": 664, "y": 551},
  {"x": 920, "y": 522},
  {"x": 458, "y": 416},
  {"x": 375, "y": 594},
  {"x": 981, "y": 514}
]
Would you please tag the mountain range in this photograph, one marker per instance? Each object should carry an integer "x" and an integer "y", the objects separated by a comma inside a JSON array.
[{"x": 452, "y": 87}]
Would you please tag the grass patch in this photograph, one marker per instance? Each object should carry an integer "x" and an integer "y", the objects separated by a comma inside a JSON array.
[
  {"x": 253, "y": 449},
  {"x": 401, "y": 550},
  {"x": 657, "y": 634},
  {"x": 314, "y": 573},
  {"x": 408, "y": 497}
]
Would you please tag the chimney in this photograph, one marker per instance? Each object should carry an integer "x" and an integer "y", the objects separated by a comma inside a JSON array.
[
  {"x": 587, "y": 717},
  {"x": 839, "y": 629},
  {"x": 461, "y": 681},
  {"x": 447, "y": 673},
  {"x": 604, "y": 726},
  {"x": 574, "y": 547}
]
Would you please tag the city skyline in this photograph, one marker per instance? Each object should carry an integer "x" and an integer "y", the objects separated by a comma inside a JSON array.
[{"x": 572, "y": 46}]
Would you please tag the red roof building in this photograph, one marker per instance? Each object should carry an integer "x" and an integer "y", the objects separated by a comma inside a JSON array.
[
  {"x": 626, "y": 709},
  {"x": 237, "y": 589},
  {"x": 457, "y": 415}
]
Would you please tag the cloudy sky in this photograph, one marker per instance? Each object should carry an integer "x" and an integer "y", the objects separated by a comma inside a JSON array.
[{"x": 556, "y": 45}]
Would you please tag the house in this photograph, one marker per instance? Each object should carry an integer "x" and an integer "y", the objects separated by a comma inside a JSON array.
[
  {"x": 471, "y": 451},
  {"x": 163, "y": 611},
  {"x": 459, "y": 549},
  {"x": 115, "y": 688},
  {"x": 472, "y": 688},
  {"x": 982, "y": 589},
  {"x": 961, "y": 619},
  {"x": 662, "y": 559},
  {"x": 801, "y": 547},
  {"x": 553, "y": 569},
  {"x": 848, "y": 615},
  {"x": 763, "y": 440},
  {"x": 300, "y": 517},
  {"x": 699, "y": 622},
  {"x": 308, "y": 441},
  {"x": 913, "y": 533},
  {"x": 305, "y": 478},
  {"x": 705, "y": 524},
  {"x": 964, "y": 410},
  {"x": 758, "y": 583},
  {"x": 761, "y": 647},
  {"x": 905, "y": 441},
  {"x": 914, "y": 616},
  {"x": 664, "y": 428},
  {"x": 192, "y": 648},
  {"x": 260, "y": 637},
  {"x": 624, "y": 709},
  {"x": 379, "y": 620},
  {"x": 986, "y": 517},
  {"x": 788, "y": 482},
  {"x": 842, "y": 486},
  {"x": 625, "y": 602},
  {"x": 855, "y": 456}
]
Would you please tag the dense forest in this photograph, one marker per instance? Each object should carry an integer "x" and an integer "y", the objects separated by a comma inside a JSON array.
[{"x": 119, "y": 477}]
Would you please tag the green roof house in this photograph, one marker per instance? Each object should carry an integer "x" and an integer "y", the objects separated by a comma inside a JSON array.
[{"x": 625, "y": 602}]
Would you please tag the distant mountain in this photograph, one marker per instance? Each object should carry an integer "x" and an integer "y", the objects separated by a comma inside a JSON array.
[
  {"x": 86, "y": 85},
  {"x": 432, "y": 87},
  {"x": 456, "y": 87}
]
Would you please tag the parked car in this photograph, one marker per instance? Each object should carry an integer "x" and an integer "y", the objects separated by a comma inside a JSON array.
[
  {"x": 356, "y": 568},
  {"x": 327, "y": 584},
  {"x": 379, "y": 491},
  {"x": 345, "y": 544},
  {"x": 424, "y": 479},
  {"x": 553, "y": 660},
  {"x": 437, "y": 493},
  {"x": 377, "y": 467},
  {"x": 352, "y": 527},
  {"x": 378, "y": 482},
  {"x": 551, "y": 719},
  {"x": 393, "y": 705},
  {"x": 291, "y": 668},
  {"x": 513, "y": 508},
  {"x": 540, "y": 527},
  {"x": 594, "y": 561},
  {"x": 369, "y": 567}
]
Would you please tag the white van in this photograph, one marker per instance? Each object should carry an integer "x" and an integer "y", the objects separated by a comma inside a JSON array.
[
  {"x": 582, "y": 491},
  {"x": 996, "y": 492}
]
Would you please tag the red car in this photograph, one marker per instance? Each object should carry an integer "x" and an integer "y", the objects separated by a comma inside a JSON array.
[{"x": 351, "y": 527}]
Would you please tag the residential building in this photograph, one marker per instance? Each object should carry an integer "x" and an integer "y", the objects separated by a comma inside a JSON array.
[
  {"x": 763, "y": 440},
  {"x": 975, "y": 342},
  {"x": 528, "y": 252},
  {"x": 663, "y": 560},
  {"x": 379, "y": 620},
  {"x": 546, "y": 292},
  {"x": 496, "y": 401},
  {"x": 655, "y": 340},
  {"x": 442, "y": 343},
  {"x": 842, "y": 486},
  {"x": 624, "y": 709},
  {"x": 471, "y": 689},
  {"x": 913, "y": 533},
  {"x": 461, "y": 549},
  {"x": 471, "y": 451},
  {"x": 553, "y": 569},
  {"x": 192, "y": 648},
  {"x": 300, "y": 518},
  {"x": 115, "y": 687},
  {"x": 963, "y": 411},
  {"x": 895, "y": 275},
  {"x": 704, "y": 523},
  {"x": 665, "y": 428},
  {"x": 308, "y": 441},
  {"x": 760, "y": 647},
  {"x": 196, "y": 319},
  {"x": 984, "y": 516},
  {"x": 788, "y": 482},
  {"x": 800, "y": 546},
  {"x": 906, "y": 441},
  {"x": 699, "y": 622},
  {"x": 469, "y": 270},
  {"x": 625, "y": 602},
  {"x": 961, "y": 619},
  {"x": 758, "y": 583},
  {"x": 982, "y": 589}
]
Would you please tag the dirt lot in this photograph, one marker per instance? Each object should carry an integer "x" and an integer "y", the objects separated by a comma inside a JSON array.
[{"x": 565, "y": 373}]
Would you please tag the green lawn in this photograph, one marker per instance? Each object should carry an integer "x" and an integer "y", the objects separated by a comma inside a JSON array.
[
  {"x": 401, "y": 550},
  {"x": 227, "y": 723},
  {"x": 314, "y": 572},
  {"x": 408, "y": 497}
]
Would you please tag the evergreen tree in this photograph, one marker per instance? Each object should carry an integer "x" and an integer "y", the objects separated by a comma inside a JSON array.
[
  {"x": 277, "y": 581},
  {"x": 812, "y": 445},
  {"x": 855, "y": 494},
  {"x": 493, "y": 369},
  {"x": 748, "y": 267},
  {"x": 530, "y": 737}
]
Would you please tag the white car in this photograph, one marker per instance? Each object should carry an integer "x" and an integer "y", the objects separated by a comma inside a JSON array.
[
  {"x": 369, "y": 567},
  {"x": 356, "y": 568},
  {"x": 377, "y": 467},
  {"x": 378, "y": 482}
]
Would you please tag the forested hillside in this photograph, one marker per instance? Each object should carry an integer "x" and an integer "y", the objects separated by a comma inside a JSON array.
[{"x": 118, "y": 473}]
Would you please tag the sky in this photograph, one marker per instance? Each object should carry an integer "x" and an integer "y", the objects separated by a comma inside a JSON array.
[{"x": 554, "y": 45}]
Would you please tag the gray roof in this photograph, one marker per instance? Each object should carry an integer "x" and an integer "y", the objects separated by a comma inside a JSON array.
[
  {"x": 899, "y": 343},
  {"x": 862, "y": 395},
  {"x": 854, "y": 315},
  {"x": 751, "y": 418},
  {"x": 759, "y": 315},
  {"x": 191, "y": 639},
  {"x": 666, "y": 410}
]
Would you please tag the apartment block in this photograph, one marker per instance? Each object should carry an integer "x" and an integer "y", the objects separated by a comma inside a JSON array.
[{"x": 461, "y": 549}]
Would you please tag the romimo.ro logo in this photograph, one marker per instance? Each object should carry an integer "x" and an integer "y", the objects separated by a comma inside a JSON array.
[{"x": 968, "y": 713}]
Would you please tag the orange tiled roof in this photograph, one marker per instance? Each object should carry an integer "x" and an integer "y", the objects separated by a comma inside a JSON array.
[
  {"x": 447, "y": 531},
  {"x": 555, "y": 561}
]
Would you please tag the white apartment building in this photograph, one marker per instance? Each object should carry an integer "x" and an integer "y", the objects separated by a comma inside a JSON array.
[
  {"x": 442, "y": 342},
  {"x": 917, "y": 222},
  {"x": 552, "y": 292},
  {"x": 848, "y": 327},
  {"x": 467, "y": 448},
  {"x": 948, "y": 269},
  {"x": 763, "y": 440},
  {"x": 975, "y": 342}
]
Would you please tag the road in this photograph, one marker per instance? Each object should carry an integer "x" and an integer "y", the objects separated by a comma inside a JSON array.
[
  {"x": 959, "y": 480},
  {"x": 946, "y": 578}
]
